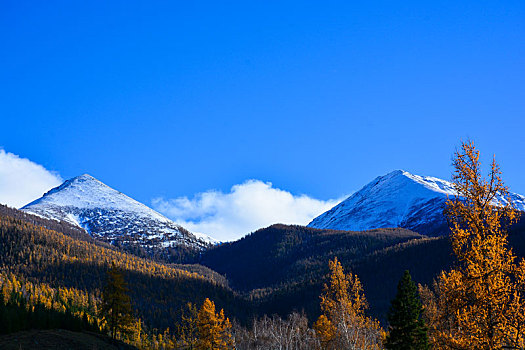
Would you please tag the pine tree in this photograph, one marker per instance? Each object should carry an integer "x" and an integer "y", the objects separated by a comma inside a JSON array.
[
  {"x": 479, "y": 303},
  {"x": 214, "y": 329},
  {"x": 343, "y": 323},
  {"x": 407, "y": 331},
  {"x": 188, "y": 327},
  {"x": 116, "y": 304}
]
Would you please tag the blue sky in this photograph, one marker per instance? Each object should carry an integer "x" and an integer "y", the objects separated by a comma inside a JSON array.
[{"x": 171, "y": 99}]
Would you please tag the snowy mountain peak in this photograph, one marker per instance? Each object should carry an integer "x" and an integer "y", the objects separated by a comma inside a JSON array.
[
  {"x": 110, "y": 215},
  {"x": 85, "y": 177},
  {"x": 76, "y": 180},
  {"x": 86, "y": 192},
  {"x": 432, "y": 183},
  {"x": 397, "y": 199}
]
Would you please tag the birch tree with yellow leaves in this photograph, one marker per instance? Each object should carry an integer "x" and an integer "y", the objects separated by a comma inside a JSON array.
[{"x": 479, "y": 303}]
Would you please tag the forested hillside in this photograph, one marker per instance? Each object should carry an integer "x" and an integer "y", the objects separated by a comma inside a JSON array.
[
  {"x": 52, "y": 261},
  {"x": 282, "y": 268},
  {"x": 284, "y": 254},
  {"x": 58, "y": 226},
  {"x": 276, "y": 270}
]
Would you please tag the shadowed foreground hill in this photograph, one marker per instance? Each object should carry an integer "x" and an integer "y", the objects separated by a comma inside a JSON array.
[{"x": 60, "y": 339}]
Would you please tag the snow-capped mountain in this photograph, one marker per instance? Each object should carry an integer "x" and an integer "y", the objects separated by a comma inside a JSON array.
[
  {"x": 111, "y": 216},
  {"x": 397, "y": 199}
]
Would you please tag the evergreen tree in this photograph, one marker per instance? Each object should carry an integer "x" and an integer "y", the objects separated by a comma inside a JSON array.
[
  {"x": 188, "y": 327},
  {"x": 407, "y": 331},
  {"x": 116, "y": 304}
]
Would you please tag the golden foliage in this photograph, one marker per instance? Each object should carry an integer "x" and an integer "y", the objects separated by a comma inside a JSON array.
[
  {"x": 37, "y": 262},
  {"x": 325, "y": 331},
  {"x": 479, "y": 303},
  {"x": 343, "y": 323},
  {"x": 214, "y": 329}
]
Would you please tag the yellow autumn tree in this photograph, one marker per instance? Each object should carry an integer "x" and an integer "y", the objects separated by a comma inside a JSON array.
[
  {"x": 214, "y": 330},
  {"x": 479, "y": 303},
  {"x": 343, "y": 323}
]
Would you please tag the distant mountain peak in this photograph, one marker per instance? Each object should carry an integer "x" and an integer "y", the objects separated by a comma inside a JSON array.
[
  {"x": 72, "y": 182},
  {"x": 85, "y": 176},
  {"x": 110, "y": 215},
  {"x": 397, "y": 199},
  {"x": 85, "y": 191},
  {"x": 396, "y": 172}
]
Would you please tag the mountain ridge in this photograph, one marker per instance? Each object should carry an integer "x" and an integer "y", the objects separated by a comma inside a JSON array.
[
  {"x": 113, "y": 217},
  {"x": 397, "y": 199}
]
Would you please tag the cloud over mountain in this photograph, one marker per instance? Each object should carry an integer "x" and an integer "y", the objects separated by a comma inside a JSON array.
[
  {"x": 247, "y": 207},
  {"x": 22, "y": 181}
]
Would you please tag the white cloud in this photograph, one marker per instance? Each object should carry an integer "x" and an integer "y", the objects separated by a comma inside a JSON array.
[
  {"x": 22, "y": 181},
  {"x": 247, "y": 207}
]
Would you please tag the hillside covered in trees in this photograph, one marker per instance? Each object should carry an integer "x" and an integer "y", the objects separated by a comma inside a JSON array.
[
  {"x": 278, "y": 269},
  {"x": 282, "y": 268},
  {"x": 49, "y": 260}
]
